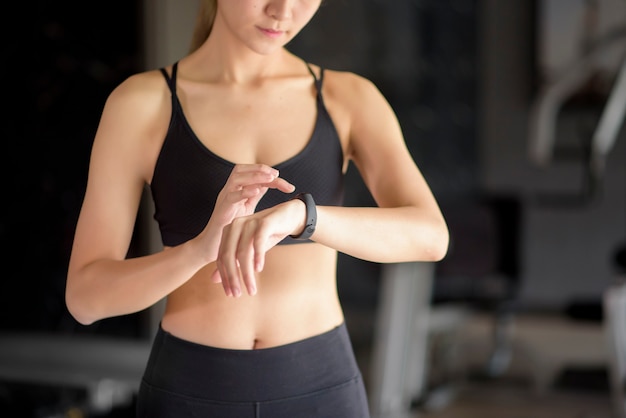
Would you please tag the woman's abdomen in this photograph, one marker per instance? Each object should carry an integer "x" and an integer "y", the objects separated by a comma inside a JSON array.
[{"x": 296, "y": 299}]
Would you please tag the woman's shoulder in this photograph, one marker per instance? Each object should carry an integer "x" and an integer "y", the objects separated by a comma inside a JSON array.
[
  {"x": 135, "y": 118},
  {"x": 350, "y": 89},
  {"x": 349, "y": 79},
  {"x": 142, "y": 99},
  {"x": 143, "y": 86}
]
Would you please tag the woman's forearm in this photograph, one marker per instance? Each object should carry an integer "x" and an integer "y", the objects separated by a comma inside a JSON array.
[
  {"x": 383, "y": 235},
  {"x": 107, "y": 287}
]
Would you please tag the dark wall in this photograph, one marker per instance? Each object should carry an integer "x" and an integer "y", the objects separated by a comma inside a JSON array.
[
  {"x": 61, "y": 62},
  {"x": 423, "y": 55}
]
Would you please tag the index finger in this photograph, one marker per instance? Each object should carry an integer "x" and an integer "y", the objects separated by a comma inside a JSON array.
[{"x": 281, "y": 184}]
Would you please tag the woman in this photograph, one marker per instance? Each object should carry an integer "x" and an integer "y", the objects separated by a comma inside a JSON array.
[{"x": 244, "y": 146}]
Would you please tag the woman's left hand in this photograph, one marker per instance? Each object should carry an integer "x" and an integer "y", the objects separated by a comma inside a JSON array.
[{"x": 246, "y": 240}]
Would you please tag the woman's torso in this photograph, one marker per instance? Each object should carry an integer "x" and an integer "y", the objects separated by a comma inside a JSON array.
[
  {"x": 296, "y": 299},
  {"x": 267, "y": 123}
]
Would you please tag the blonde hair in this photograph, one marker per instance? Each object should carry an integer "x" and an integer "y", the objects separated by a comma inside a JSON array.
[{"x": 204, "y": 23}]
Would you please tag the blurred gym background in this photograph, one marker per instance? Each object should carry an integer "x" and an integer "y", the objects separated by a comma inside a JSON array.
[{"x": 514, "y": 111}]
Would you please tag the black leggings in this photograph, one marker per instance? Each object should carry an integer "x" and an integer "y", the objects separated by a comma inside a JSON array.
[{"x": 315, "y": 377}]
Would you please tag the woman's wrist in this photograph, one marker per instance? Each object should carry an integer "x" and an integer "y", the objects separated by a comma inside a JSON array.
[{"x": 205, "y": 246}]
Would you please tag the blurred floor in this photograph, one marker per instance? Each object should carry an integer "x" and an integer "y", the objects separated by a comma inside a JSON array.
[
  {"x": 500, "y": 399},
  {"x": 558, "y": 369}
]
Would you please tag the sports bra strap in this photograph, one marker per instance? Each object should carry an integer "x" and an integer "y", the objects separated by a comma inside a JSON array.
[
  {"x": 318, "y": 81},
  {"x": 171, "y": 81}
]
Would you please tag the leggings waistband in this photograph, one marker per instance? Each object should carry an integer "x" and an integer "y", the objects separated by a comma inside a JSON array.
[{"x": 211, "y": 373}]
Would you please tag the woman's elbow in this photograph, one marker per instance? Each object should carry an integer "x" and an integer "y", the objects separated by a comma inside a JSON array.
[
  {"x": 77, "y": 307},
  {"x": 437, "y": 246}
]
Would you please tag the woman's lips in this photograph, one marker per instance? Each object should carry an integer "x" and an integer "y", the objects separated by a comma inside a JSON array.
[{"x": 272, "y": 33}]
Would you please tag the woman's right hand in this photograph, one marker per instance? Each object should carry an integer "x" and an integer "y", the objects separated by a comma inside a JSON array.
[{"x": 243, "y": 190}]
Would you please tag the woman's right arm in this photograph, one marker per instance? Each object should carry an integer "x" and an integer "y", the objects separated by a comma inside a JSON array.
[{"x": 100, "y": 281}]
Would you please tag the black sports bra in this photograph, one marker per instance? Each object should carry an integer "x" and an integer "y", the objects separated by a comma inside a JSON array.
[{"x": 188, "y": 176}]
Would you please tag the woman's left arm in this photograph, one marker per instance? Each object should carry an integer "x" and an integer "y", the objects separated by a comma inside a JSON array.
[{"x": 408, "y": 224}]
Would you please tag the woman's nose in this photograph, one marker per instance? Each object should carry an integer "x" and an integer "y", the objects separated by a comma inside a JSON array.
[{"x": 279, "y": 9}]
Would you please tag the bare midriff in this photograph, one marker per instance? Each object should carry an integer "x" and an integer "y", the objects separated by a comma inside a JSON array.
[{"x": 296, "y": 299}]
